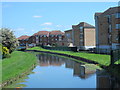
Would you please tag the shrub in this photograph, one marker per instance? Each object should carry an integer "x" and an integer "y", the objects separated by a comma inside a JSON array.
[
  {"x": 5, "y": 52},
  {"x": 8, "y": 39}
]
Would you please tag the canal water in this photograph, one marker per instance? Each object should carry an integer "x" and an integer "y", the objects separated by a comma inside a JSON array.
[{"x": 54, "y": 71}]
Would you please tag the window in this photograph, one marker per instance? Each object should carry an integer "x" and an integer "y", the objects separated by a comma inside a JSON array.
[
  {"x": 81, "y": 35},
  {"x": 117, "y": 37},
  {"x": 40, "y": 35},
  {"x": 81, "y": 27},
  {"x": 117, "y": 26},
  {"x": 52, "y": 35},
  {"x": 109, "y": 18},
  {"x": 68, "y": 35},
  {"x": 117, "y": 15},
  {"x": 110, "y": 28},
  {"x": 56, "y": 35},
  {"x": 60, "y": 39},
  {"x": 81, "y": 40},
  {"x": 44, "y": 35}
]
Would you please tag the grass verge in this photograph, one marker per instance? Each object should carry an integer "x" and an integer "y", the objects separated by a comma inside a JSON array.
[
  {"x": 18, "y": 63},
  {"x": 101, "y": 59}
]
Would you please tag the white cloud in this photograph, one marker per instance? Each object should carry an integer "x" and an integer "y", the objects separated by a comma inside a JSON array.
[
  {"x": 37, "y": 16},
  {"x": 58, "y": 25},
  {"x": 32, "y": 30},
  {"x": 20, "y": 29},
  {"x": 47, "y": 24},
  {"x": 46, "y": 28}
]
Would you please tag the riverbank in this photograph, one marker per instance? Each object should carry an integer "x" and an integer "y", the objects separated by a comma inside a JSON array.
[
  {"x": 101, "y": 60},
  {"x": 97, "y": 58},
  {"x": 17, "y": 65}
]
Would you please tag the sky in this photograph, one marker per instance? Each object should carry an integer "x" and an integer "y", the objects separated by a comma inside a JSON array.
[{"x": 27, "y": 18}]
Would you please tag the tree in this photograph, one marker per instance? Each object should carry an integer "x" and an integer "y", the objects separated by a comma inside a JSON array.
[{"x": 8, "y": 39}]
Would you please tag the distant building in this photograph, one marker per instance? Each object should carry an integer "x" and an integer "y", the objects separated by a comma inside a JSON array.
[
  {"x": 55, "y": 37},
  {"x": 42, "y": 38},
  {"x": 83, "y": 36},
  {"x": 23, "y": 40},
  {"x": 107, "y": 26}
]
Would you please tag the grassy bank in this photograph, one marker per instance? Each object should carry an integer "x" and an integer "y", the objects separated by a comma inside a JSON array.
[
  {"x": 18, "y": 63},
  {"x": 102, "y": 59}
]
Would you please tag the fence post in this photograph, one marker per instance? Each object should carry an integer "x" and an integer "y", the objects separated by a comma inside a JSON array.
[{"x": 112, "y": 57}]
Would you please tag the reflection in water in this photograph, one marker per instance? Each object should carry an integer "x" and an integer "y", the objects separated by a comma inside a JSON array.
[
  {"x": 60, "y": 72},
  {"x": 105, "y": 80},
  {"x": 79, "y": 69}
]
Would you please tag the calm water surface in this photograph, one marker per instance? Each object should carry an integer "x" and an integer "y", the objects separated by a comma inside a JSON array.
[{"x": 59, "y": 72}]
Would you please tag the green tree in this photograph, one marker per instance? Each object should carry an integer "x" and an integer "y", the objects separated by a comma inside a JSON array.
[{"x": 8, "y": 39}]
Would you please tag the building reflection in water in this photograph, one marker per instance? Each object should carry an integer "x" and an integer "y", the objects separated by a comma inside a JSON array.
[
  {"x": 105, "y": 80},
  {"x": 79, "y": 69}
]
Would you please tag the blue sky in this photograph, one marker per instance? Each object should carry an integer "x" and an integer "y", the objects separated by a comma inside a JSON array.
[{"x": 27, "y": 18}]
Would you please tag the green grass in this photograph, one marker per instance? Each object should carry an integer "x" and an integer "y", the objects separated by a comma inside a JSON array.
[
  {"x": 101, "y": 59},
  {"x": 18, "y": 63}
]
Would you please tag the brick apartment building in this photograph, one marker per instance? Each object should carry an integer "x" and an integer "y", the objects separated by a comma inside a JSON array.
[
  {"x": 81, "y": 36},
  {"x": 42, "y": 38},
  {"x": 23, "y": 40},
  {"x": 55, "y": 37},
  {"x": 107, "y": 26},
  {"x": 68, "y": 37}
]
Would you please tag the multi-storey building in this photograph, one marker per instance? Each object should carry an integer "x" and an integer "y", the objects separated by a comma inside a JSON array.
[
  {"x": 68, "y": 37},
  {"x": 42, "y": 38},
  {"x": 83, "y": 35},
  {"x": 23, "y": 40},
  {"x": 107, "y": 26},
  {"x": 55, "y": 37}
]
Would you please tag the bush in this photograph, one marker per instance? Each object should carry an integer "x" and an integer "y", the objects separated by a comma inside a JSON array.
[
  {"x": 5, "y": 52},
  {"x": 8, "y": 39}
]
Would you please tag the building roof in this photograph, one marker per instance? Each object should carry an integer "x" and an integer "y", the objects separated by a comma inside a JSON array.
[
  {"x": 84, "y": 24},
  {"x": 23, "y": 37},
  {"x": 57, "y": 32},
  {"x": 109, "y": 11},
  {"x": 87, "y": 25},
  {"x": 41, "y": 33},
  {"x": 98, "y": 13},
  {"x": 68, "y": 30}
]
